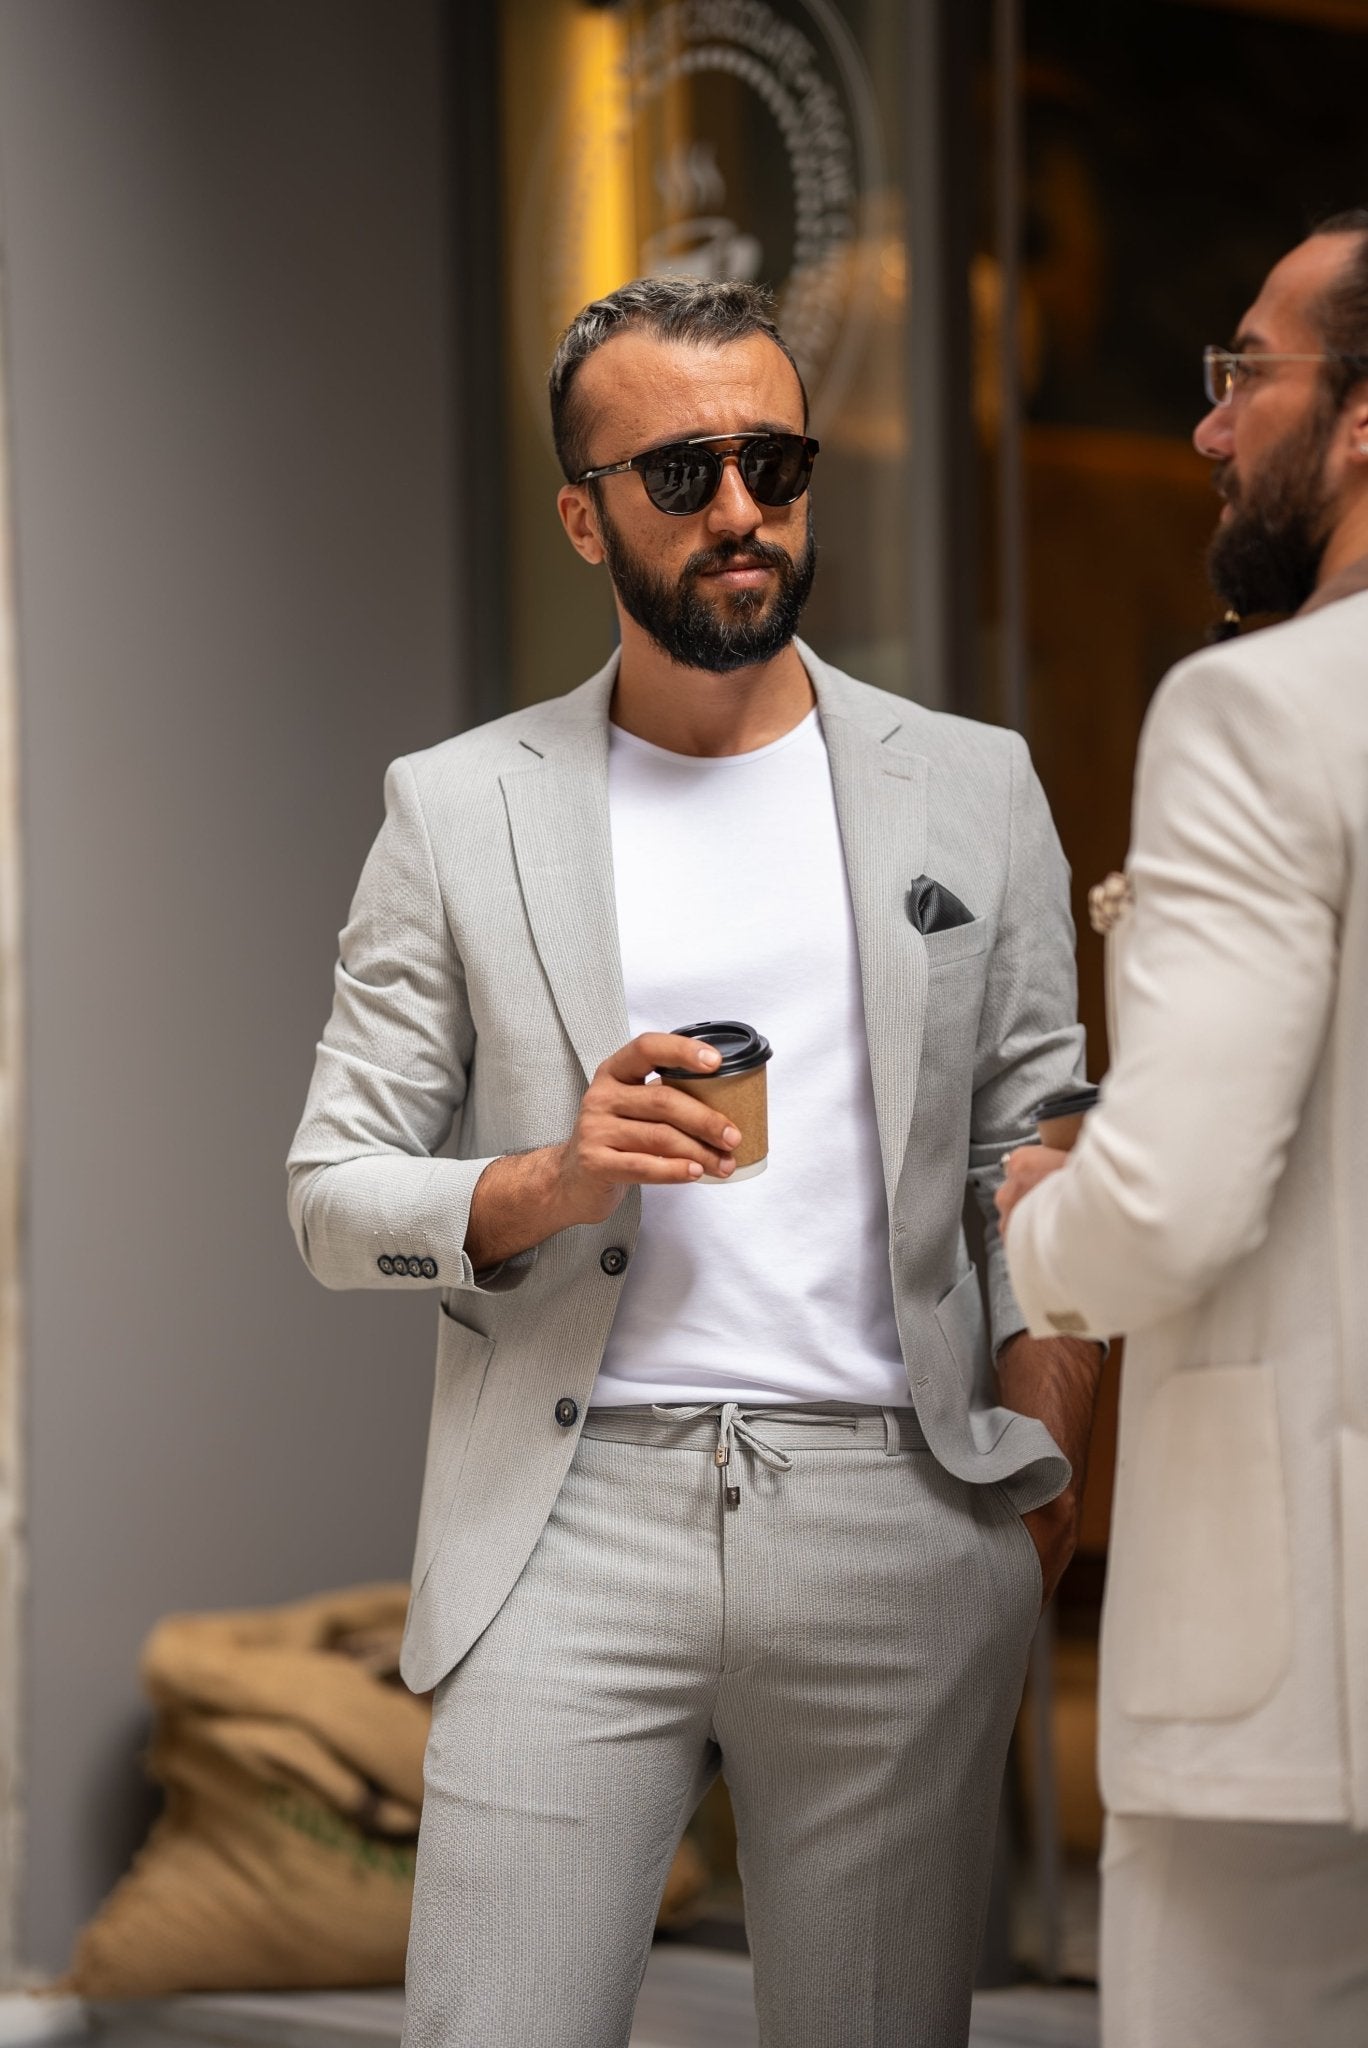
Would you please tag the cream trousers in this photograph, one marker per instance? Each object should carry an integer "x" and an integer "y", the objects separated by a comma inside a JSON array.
[{"x": 1233, "y": 1934}]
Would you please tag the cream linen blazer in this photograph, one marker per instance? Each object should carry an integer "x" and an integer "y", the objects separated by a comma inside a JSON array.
[{"x": 1216, "y": 1211}]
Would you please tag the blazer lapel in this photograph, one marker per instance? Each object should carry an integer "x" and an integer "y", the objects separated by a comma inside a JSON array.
[
  {"x": 562, "y": 842},
  {"x": 880, "y": 794}
]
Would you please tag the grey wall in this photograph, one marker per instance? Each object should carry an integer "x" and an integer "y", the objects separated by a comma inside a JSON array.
[{"x": 224, "y": 245}]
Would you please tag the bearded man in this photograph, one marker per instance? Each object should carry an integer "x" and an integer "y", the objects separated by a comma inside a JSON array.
[
  {"x": 1216, "y": 1209},
  {"x": 723, "y": 1472}
]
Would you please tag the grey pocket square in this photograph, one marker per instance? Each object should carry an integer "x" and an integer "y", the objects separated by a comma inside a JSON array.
[{"x": 932, "y": 908}]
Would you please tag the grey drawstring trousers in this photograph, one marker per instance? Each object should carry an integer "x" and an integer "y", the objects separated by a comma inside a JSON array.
[{"x": 802, "y": 1599}]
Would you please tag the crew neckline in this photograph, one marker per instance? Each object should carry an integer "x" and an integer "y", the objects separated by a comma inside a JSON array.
[{"x": 619, "y": 736}]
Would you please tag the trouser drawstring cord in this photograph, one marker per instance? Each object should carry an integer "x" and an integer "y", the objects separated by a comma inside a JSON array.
[{"x": 734, "y": 1426}]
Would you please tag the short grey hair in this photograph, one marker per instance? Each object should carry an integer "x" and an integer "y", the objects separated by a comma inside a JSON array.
[{"x": 707, "y": 312}]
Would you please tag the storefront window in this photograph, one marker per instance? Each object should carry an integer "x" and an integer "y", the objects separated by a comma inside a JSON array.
[{"x": 756, "y": 139}]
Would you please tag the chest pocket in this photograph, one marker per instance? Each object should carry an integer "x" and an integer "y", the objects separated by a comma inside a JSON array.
[
  {"x": 956, "y": 981},
  {"x": 959, "y": 942}
]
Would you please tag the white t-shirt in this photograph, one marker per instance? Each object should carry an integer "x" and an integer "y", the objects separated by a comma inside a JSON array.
[{"x": 732, "y": 901}]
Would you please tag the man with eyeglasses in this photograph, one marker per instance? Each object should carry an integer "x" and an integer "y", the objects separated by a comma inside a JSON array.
[
  {"x": 725, "y": 1470},
  {"x": 1216, "y": 1210}
]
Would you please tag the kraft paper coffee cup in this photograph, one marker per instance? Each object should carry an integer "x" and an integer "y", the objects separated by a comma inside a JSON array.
[
  {"x": 1059, "y": 1118},
  {"x": 736, "y": 1088}
]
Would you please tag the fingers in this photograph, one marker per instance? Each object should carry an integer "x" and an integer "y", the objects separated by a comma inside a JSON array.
[
  {"x": 647, "y": 1169},
  {"x": 1025, "y": 1169},
  {"x": 632, "y": 1129},
  {"x": 619, "y": 1089},
  {"x": 1033, "y": 1162},
  {"x": 653, "y": 1049},
  {"x": 667, "y": 1105},
  {"x": 614, "y": 1136}
]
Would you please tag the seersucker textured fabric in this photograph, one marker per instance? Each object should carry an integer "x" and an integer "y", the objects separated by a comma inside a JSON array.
[
  {"x": 847, "y": 1643},
  {"x": 491, "y": 883}
]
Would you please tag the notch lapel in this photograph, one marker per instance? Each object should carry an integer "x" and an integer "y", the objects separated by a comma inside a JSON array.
[
  {"x": 562, "y": 843},
  {"x": 880, "y": 795}
]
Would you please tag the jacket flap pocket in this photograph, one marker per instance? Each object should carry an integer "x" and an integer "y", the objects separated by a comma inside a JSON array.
[
  {"x": 463, "y": 1357},
  {"x": 962, "y": 1324},
  {"x": 1201, "y": 1625}
]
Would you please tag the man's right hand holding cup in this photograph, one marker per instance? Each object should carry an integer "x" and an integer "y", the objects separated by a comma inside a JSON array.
[{"x": 630, "y": 1131}]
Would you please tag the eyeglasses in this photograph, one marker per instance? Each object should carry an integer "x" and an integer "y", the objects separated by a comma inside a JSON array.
[
  {"x": 684, "y": 476},
  {"x": 1226, "y": 370}
]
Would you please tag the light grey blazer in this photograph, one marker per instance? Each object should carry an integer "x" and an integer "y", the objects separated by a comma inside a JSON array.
[{"x": 479, "y": 986}]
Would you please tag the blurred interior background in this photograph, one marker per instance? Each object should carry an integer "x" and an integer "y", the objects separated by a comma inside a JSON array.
[{"x": 279, "y": 281}]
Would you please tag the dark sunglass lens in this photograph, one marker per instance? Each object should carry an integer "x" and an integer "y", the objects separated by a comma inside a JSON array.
[
  {"x": 776, "y": 469},
  {"x": 680, "y": 479}
]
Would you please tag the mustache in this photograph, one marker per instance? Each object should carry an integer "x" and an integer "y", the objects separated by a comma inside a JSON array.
[
  {"x": 1225, "y": 483},
  {"x": 752, "y": 554}
]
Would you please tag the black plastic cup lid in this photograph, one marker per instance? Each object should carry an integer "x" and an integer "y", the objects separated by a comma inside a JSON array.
[
  {"x": 1072, "y": 1102},
  {"x": 741, "y": 1048}
]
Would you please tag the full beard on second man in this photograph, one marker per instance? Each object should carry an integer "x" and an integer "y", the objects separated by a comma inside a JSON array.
[{"x": 1266, "y": 554}]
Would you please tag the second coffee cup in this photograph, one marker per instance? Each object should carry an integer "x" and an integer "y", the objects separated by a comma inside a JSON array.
[{"x": 736, "y": 1088}]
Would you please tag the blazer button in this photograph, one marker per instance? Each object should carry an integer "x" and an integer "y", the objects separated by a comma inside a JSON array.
[
  {"x": 567, "y": 1411},
  {"x": 429, "y": 1269},
  {"x": 385, "y": 1263},
  {"x": 613, "y": 1261}
]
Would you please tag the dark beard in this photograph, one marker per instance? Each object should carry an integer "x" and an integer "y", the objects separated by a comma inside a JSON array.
[
  {"x": 1267, "y": 555},
  {"x": 743, "y": 630}
]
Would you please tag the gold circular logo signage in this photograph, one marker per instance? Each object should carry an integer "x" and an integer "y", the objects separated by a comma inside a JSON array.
[{"x": 712, "y": 138}]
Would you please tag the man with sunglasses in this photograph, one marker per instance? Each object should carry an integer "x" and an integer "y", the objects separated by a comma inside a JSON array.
[
  {"x": 1216, "y": 1210},
  {"x": 720, "y": 1476}
]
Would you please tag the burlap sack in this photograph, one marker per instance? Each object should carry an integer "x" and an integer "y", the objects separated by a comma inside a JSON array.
[{"x": 292, "y": 1761}]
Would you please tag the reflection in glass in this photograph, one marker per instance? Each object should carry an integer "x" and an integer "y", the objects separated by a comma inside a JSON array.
[{"x": 717, "y": 139}]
